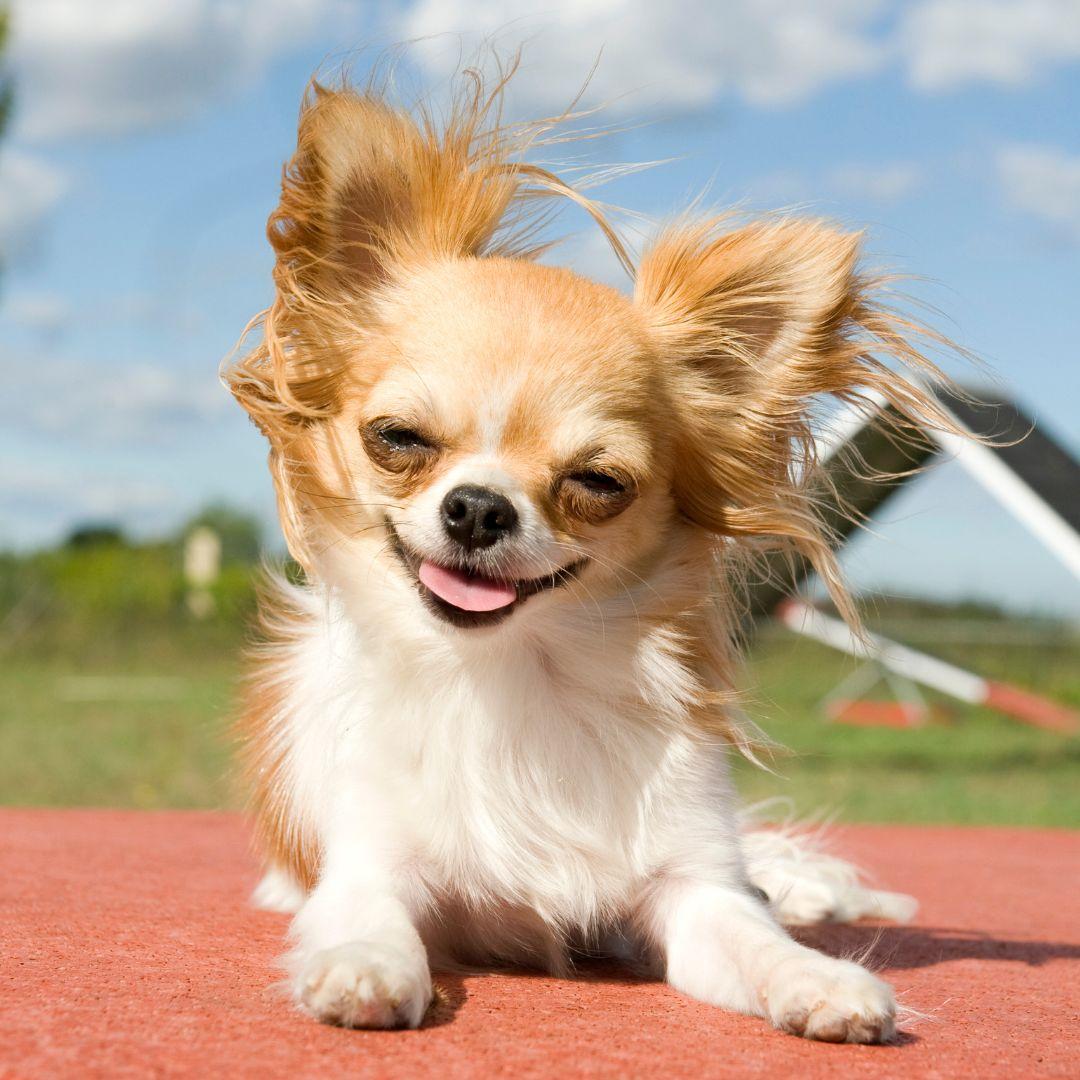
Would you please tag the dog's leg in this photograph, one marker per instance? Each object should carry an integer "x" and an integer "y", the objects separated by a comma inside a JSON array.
[
  {"x": 721, "y": 945},
  {"x": 358, "y": 960}
]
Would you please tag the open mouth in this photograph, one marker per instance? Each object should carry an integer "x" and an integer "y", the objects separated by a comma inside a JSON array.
[{"x": 465, "y": 598}]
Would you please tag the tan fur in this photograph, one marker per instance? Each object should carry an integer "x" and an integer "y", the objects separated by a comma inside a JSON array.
[
  {"x": 404, "y": 254},
  {"x": 764, "y": 320},
  {"x": 280, "y": 834}
]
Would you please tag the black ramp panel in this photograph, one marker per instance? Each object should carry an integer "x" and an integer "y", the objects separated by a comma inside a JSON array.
[
  {"x": 852, "y": 484},
  {"x": 1037, "y": 459},
  {"x": 848, "y": 491}
]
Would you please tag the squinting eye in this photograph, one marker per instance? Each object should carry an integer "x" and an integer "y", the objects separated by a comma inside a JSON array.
[
  {"x": 601, "y": 483},
  {"x": 403, "y": 438},
  {"x": 394, "y": 445}
]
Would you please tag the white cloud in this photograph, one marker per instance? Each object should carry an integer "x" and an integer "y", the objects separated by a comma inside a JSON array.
[
  {"x": 40, "y": 502},
  {"x": 115, "y": 66},
  {"x": 44, "y": 313},
  {"x": 1010, "y": 42},
  {"x": 141, "y": 405},
  {"x": 781, "y": 189},
  {"x": 686, "y": 54},
  {"x": 112, "y": 67},
  {"x": 678, "y": 55},
  {"x": 80, "y": 496},
  {"x": 29, "y": 189},
  {"x": 885, "y": 183},
  {"x": 138, "y": 444},
  {"x": 1044, "y": 182},
  {"x": 880, "y": 183}
]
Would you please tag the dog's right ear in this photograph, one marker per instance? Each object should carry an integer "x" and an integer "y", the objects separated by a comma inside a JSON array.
[
  {"x": 371, "y": 192},
  {"x": 345, "y": 194}
]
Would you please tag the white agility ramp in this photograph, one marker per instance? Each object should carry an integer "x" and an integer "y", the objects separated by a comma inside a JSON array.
[
  {"x": 1031, "y": 475},
  {"x": 928, "y": 670}
]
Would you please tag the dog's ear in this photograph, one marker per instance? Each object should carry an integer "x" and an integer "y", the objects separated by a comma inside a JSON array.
[
  {"x": 346, "y": 193},
  {"x": 753, "y": 325},
  {"x": 370, "y": 192},
  {"x": 372, "y": 188}
]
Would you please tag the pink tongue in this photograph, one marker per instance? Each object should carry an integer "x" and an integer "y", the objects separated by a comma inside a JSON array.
[{"x": 467, "y": 593}]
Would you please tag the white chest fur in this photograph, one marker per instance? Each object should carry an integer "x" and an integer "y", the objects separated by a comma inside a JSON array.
[{"x": 542, "y": 774}]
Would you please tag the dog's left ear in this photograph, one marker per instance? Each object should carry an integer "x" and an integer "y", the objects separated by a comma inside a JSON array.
[{"x": 752, "y": 325}]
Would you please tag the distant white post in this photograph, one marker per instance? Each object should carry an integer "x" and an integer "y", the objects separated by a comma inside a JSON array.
[{"x": 202, "y": 566}]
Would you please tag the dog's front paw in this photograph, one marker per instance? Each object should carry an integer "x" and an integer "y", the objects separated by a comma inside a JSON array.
[
  {"x": 831, "y": 1000},
  {"x": 365, "y": 985}
]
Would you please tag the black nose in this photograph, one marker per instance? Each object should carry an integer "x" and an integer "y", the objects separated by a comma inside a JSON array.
[{"x": 476, "y": 517}]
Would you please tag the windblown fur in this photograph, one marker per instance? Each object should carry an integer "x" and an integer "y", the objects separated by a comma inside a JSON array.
[{"x": 428, "y": 793}]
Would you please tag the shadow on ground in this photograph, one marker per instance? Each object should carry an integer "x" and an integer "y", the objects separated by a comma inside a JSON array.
[
  {"x": 906, "y": 947},
  {"x": 881, "y": 947}
]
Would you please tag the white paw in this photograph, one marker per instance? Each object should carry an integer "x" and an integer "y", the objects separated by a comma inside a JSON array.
[
  {"x": 818, "y": 997},
  {"x": 808, "y": 901},
  {"x": 805, "y": 902},
  {"x": 365, "y": 985},
  {"x": 805, "y": 886}
]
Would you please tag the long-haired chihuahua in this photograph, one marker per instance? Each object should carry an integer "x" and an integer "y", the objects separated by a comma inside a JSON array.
[{"x": 492, "y": 726}]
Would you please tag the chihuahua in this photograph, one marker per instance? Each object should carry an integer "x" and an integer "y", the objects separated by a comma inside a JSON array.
[{"x": 493, "y": 724}]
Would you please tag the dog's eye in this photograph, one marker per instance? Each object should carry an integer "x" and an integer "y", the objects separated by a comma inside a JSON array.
[
  {"x": 395, "y": 445},
  {"x": 403, "y": 438},
  {"x": 599, "y": 483},
  {"x": 595, "y": 495}
]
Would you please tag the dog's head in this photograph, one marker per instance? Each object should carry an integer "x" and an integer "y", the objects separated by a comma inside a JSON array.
[{"x": 489, "y": 430}]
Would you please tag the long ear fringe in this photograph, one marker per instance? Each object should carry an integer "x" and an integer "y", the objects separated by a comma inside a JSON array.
[
  {"x": 752, "y": 473},
  {"x": 282, "y": 833},
  {"x": 882, "y": 359}
]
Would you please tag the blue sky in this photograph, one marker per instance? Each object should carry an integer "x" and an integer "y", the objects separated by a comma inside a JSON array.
[{"x": 145, "y": 155}]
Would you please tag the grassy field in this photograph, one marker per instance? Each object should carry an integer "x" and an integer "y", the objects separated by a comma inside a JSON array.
[
  {"x": 149, "y": 736},
  {"x": 148, "y": 727},
  {"x": 970, "y": 766}
]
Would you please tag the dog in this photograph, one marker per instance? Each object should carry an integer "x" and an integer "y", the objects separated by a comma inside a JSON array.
[{"x": 493, "y": 724}]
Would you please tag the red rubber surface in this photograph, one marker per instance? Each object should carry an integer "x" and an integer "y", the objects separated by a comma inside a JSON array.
[{"x": 127, "y": 949}]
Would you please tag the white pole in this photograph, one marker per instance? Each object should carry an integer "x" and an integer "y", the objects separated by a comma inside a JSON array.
[{"x": 937, "y": 674}]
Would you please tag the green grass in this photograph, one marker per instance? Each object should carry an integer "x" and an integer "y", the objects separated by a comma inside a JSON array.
[
  {"x": 98, "y": 733},
  {"x": 972, "y": 766},
  {"x": 103, "y": 735}
]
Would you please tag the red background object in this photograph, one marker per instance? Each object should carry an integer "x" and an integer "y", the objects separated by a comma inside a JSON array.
[
  {"x": 865, "y": 712},
  {"x": 1032, "y": 708},
  {"x": 128, "y": 950}
]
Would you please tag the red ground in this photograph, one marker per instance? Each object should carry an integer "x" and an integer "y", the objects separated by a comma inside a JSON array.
[{"x": 127, "y": 949}]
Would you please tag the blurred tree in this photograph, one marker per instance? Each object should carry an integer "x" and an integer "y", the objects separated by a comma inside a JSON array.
[
  {"x": 7, "y": 85},
  {"x": 239, "y": 533},
  {"x": 95, "y": 534}
]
